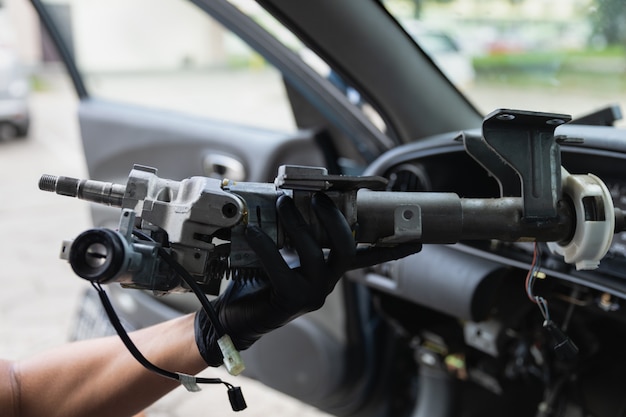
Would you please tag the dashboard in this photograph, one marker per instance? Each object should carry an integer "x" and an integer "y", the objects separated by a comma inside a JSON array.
[{"x": 440, "y": 164}]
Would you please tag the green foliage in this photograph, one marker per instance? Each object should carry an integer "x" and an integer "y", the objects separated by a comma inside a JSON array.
[
  {"x": 609, "y": 21},
  {"x": 605, "y": 68}
]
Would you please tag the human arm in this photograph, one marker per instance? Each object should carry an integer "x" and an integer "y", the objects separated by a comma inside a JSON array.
[{"x": 99, "y": 377}]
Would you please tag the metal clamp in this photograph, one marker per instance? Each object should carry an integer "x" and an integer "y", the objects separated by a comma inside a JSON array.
[{"x": 525, "y": 141}]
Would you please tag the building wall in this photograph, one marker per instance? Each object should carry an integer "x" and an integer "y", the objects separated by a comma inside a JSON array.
[
  {"x": 20, "y": 28},
  {"x": 106, "y": 34}
]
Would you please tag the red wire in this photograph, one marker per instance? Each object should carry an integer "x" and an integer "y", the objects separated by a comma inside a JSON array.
[{"x": 528, "y": 276}]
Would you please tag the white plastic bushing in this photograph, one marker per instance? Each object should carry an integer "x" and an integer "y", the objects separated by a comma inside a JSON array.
[{"x": 595, "y": 221}]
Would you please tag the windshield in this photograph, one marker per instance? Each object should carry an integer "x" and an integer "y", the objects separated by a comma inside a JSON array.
[{"x": 566, "y": 56}]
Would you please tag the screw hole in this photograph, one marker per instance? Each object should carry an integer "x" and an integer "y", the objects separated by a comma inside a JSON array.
[
  {"x": 505, "y": 117},
  {"x": 229, "y": 210},
  {"x": 555, "y": 122}
]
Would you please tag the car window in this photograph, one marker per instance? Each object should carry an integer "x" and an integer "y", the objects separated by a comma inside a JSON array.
[
  {"x": 253, "y": 10},
  {"x": 566, "y": 57},
  {"x": 172, "y": 57}
]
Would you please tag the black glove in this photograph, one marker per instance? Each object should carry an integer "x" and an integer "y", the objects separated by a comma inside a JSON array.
[{"x": 249, "y": 308}]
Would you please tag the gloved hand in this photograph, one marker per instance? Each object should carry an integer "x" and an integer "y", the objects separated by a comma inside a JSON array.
[{"x": 249, "y": 308}]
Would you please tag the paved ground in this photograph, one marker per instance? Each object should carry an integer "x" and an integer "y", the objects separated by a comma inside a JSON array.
[{"x": 39, "y": 292}]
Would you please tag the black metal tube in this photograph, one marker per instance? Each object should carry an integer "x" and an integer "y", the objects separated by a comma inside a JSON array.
[
  {"x": 447, "y": 218},
  {"x": 441, "y": 215},
  {"x": 502, "y": 218}
]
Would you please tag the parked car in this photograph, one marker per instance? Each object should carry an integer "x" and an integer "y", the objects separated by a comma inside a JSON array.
[
  {"x": 204, "y": 88},
  {"x": 445, "y": 51},
  {"x": 14, "y": 93}
]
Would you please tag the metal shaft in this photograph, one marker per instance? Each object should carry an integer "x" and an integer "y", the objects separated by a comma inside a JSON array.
[
  {"x": 447, "y": 218},
  {"x": 99, "y": 192}
]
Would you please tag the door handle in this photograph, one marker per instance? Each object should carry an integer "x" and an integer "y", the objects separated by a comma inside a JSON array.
[{"x": 223, "y": 166}]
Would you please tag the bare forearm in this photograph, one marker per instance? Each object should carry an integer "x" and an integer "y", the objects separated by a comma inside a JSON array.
[{"x": 99, "y": 378}]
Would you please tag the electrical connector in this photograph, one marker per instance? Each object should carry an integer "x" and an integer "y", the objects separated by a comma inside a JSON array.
[
  {"x": 232, "y": 359},
  {"x": 235, "y": 396},
  {"x": 563, "y": 346}
]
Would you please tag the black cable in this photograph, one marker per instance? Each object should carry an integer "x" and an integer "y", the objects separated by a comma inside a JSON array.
[
  {"x": 193, "y": 285},
  {"x": 142, "y": 235},
  {"x": 121, "y": 331},
  {"x": 235, "y": 395}
]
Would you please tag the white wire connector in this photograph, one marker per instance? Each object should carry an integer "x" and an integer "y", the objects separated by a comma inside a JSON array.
[
  {"x": 232, "y": 359},
  {"x": 189, "y": 382}
]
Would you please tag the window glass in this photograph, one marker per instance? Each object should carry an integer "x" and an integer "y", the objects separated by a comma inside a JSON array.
[
  {"x": 252, "y": 9},
  {"x": 169, "y": 54},
  {"x": 566, "y": 56}
]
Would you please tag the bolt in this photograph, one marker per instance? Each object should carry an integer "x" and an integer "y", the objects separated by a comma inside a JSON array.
[{"x": 505, "y": 117}]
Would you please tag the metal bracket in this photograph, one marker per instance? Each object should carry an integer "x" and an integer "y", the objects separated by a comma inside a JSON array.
[
  {"x": 525, "y": 141},
  {"x": 407, "y": 221},
  {"x": 507, "y": 178}
]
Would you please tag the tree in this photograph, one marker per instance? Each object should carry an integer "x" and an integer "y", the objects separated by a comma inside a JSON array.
[{"x": 609, "y": 21}]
